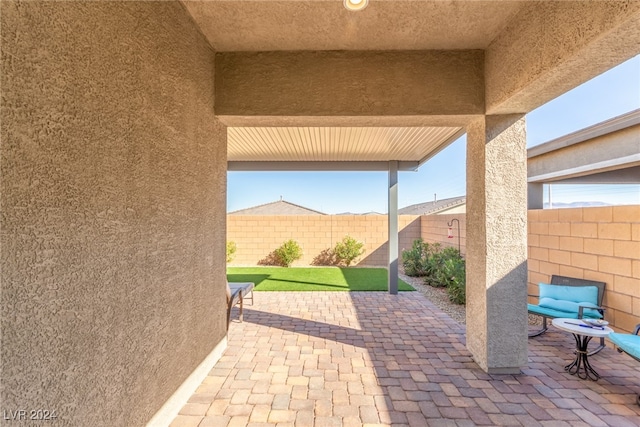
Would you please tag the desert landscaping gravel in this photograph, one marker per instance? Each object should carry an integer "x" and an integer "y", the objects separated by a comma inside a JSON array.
[{"x": 440, "y": 298}]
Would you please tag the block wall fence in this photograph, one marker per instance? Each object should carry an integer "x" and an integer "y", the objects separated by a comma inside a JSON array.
[
  {"x": 435, "y": 229},
  {"x": 257, "y": 236},
  {"x": 598, "y": 243}
]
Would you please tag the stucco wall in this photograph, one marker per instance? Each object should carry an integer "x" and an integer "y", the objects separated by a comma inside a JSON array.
[
  {"x": 113, "y": 208},
  {"x": 541, "y": 54},
  {"x": 257, "y": 236},
  {"x": 347, "y": 83}
]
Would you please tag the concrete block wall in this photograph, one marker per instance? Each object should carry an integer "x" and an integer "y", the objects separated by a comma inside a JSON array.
[
  {"x": 600, "y": 243},
  {"x": 592, "y": 243},
  {"x": 257, "y": 236},
  {"x": 434, "y": 229}
]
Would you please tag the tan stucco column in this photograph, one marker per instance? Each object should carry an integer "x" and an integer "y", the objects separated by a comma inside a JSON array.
[{"x": 497, "y": 243}]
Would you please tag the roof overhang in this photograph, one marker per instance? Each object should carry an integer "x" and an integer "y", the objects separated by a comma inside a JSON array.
[{"x": 605, "y": 153}]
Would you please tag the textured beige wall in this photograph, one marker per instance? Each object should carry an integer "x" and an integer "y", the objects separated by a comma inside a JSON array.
[
  {"x": 496, "y": 241},
  {"x": 113, "y": 208},
  {"x": 600, "y": 243},
  {"x": 350, "y": 83},
  {"x": 257, "y": 236},
  {"x": 541, "y": 54}
]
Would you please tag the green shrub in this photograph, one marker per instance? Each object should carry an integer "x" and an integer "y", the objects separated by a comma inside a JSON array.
[
  {"x": 289, "y": 252},
  {"x": 455, "y": 272},
  {"x": 348, "y": 250},
  {"x": 433, "y": 266},
  {"x": 413, "y": 260},
  {"x": 436, "y": 275},
  {"x": 231, "y": 251},
  {"x": 447, "y": 269},
  {"x": 439, "y": 267}
]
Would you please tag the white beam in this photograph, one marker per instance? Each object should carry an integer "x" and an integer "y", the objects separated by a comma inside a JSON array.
[{"x": 350, "y": 166}]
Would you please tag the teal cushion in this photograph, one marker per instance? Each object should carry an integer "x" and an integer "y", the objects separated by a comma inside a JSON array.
[
  {"x": 564, "y": 301},
  {"x": 570, "y": 293},
  {"x": 570, "y": 306},
  {"x": 629, "y": 343},
  {"x": 550, "y": 312}
]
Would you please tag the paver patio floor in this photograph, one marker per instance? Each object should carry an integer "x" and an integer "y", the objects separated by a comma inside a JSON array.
[{"x": 373, "y": 359}]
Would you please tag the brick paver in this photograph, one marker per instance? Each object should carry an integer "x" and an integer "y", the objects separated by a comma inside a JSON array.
[{"x": 314, "y": 359}]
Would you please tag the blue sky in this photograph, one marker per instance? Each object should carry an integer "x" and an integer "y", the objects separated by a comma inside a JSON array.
[{"x": 608, "y": 95}]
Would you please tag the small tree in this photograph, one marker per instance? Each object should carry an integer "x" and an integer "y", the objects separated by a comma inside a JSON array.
[
  {"x": 288, "y": 252},
  {"x": 348, "y": 250},
  {"x": 231, "y": 251}
]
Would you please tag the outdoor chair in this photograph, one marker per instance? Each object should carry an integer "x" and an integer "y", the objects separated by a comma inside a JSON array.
[
  {"x": 237, "y": 292},
  {"x": 568, "y": 297},
  {"x": 628, "y": 343}
]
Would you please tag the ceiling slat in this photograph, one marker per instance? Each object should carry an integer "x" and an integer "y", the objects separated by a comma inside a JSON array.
[{"x": 336, "y": 143}]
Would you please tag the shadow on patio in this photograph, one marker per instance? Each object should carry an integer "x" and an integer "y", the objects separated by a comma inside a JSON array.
[{"x": 370, "y": 358}]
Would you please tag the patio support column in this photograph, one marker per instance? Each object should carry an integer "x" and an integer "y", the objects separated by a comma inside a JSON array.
[
  {"x": 497, "y": 243},
  {"x": 393, "y": 227},
  {"x": 535, "y": 195}
]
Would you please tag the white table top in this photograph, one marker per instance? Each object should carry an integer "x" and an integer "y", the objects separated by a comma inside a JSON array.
[{"x": 567, "y": 325}]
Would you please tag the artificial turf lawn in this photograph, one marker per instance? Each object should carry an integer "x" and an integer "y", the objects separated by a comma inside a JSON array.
[{"x": 314, "y": 278}]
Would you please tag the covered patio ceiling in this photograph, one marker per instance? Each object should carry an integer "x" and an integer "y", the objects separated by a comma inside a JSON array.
[
  {"x": 266, "y": 25},
  {"x": 319, "y": 25},
  {"x": 334, "y": 148},
  {"x": 515, "y": 42}
]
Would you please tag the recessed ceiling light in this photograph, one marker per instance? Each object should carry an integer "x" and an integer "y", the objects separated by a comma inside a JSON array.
[{"x": 355, "y": 4}]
